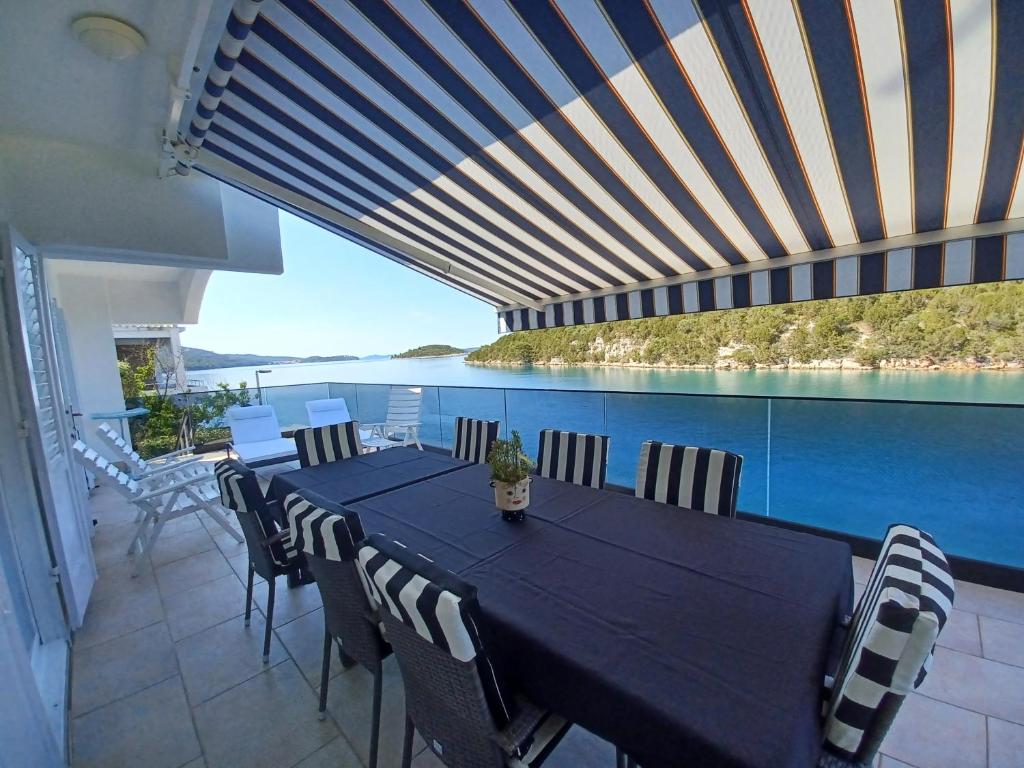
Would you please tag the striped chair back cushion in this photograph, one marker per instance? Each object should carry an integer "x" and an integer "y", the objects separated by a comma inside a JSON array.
[
  {"x": 889, "y": 648},
  {"x": 118, "y": 443},
  {"x": 321, "y": 528},
  {"x": 704, "y": 479},
  {"x": 473, "y": 438},
  {"x": 439, "y": 606},
  {"x": 105, "y": 471},
  {"x": 240, "y": 491},
  {"x": 404, "y": 405},
  {"x": 573, "y": 457},
  {"x": 322, "y": 445}
]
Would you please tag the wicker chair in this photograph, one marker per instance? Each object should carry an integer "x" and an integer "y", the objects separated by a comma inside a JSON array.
[
  {"x": 889, "y": 646},
  {"x": 453, "y": 694},
  {"x": 326, "y": 534},
  {"x": 271, "y": 553}
]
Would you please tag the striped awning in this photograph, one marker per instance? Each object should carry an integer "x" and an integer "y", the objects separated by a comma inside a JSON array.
[{"x": 573, "y": 161}]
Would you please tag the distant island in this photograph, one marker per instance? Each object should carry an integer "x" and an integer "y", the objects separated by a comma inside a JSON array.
[
  {"x": 432, "y": 350},
  {"x": 966, "y": 328},
  {"x": 203, "y": 359}
]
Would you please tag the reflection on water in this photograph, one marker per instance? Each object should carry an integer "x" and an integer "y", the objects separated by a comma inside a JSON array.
[{"x": 955, "y": 386}]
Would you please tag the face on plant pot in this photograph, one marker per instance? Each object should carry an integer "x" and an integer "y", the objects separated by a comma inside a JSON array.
[{"x": 516, "y": 494}]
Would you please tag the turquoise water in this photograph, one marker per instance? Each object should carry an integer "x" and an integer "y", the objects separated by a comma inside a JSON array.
[
  {"x": 852, "y": 464},
  {"x": 965, "y": 387}
]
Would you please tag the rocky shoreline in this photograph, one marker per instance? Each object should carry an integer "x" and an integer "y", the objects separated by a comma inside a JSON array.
[{"x": 844, "y": 364}]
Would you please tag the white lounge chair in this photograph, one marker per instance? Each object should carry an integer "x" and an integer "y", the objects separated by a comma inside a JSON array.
[
  {"x": 401, "y": 425},
  {"x": 256, "y": 436},
  {"x": 176, "y": 464},
  {"x": 324, "y": 413},
  {"x": 158, "y": 503}
]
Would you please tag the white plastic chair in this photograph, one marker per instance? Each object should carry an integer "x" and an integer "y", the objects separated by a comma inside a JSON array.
[
  {"x": 176, "y": 464},
  {"x": 401, "y": 425},
  {"x": 256, "y": 436},
  {"x": 158, "y": 503},
  {"x": 324, "y": 413}
]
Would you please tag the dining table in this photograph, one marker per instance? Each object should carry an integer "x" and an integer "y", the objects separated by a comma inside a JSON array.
[{"x": 684, "y": 638}]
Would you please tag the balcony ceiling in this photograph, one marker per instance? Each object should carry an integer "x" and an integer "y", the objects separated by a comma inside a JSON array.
[{"x": 573, "y": 161}]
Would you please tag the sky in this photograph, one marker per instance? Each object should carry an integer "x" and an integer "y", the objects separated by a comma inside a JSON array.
[{"x": 334, "y": 298}]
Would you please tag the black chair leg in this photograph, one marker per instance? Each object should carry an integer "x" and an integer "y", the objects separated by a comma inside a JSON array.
[
  {"x": 248, "y": 593},
  {"x": 378, "y": 683},
  {"x": 407, "y": 743},
  {"x": 620, "y": 758},
  {"x": 270, "y": 620},
  {"x": 325, "y": 673}
]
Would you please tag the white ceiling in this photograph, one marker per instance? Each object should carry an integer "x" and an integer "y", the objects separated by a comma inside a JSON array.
[{"x": 52, "y": 86}]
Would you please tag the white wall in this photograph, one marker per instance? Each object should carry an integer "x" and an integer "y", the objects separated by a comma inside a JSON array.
[
  {"x": 87, "y": 317},
  {"x": 78, "y": 201}
]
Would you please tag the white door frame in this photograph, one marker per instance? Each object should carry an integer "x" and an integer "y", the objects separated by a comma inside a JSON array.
[{"x": 54, "y": 476}]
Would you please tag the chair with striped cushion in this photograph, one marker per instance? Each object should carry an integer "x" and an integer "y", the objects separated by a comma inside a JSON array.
[
  {"x": 327, "y": 535},
  {"x": 704, "y": 479},
  {"x": 573, "y": 456},
  {"x": 454, "y": 695},
  {"x": 889, "y": 646},
  {"x": 473, "y": 438},
  {"x": 321, "y": 445},
  {"x": 271, "y": 552}
]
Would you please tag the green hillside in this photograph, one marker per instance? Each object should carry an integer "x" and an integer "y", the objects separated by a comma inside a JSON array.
[
  {"x": 204, "y": 359},
  {"x": 432, "y": 350},
  {"x": 969, "y": 326}
]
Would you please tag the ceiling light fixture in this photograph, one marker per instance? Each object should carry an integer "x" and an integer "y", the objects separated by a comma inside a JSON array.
[{"x": 108, "y": 37}]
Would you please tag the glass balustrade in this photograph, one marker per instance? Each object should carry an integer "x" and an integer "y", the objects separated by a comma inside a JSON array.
[{"x": 846, "y": 465}]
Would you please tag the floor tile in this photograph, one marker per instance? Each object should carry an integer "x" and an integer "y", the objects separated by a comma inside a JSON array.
[
  {"x": 578, "y": 748},
  {"x": 151, "y": 728},
  {"x": 1003, "y": 641},
  {"x": 181, "y": 525},
  {"x": 985, "y": 686},
  {"x": 304, "y": 639},
  {"x": 191, "y": 571},
  {"x": 197, "y": 763},
  {"x": 266, "y": 722},
  {"x": 885, "y": 761},
  {"x": 204, "y": 606},
  {"x": 989, "y": 601},
  {"x": 1005, "y": 744},
  {"x": 223, "y": 656},
  {"x": 350, "y": 702},
  {"x": 117, "y": 668},
  {"x": 167, "y": 549},
  {"x": 931, "y": 734},
  {"x": 337, "y": 754},
  {"x": 961, "y": 633},
  {"x": 240, "y": 565},
  {"x": 118, "y": 615},
  {"x": 289, "y": 604},
  {"x": 862, "y": 569}
]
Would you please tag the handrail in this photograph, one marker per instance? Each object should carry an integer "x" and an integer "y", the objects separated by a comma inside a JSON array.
[{"x": 796, "y": 398}]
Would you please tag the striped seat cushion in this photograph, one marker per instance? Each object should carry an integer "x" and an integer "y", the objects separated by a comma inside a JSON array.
[
  {"x": 573, "y": 456},
  {"x": 704, "y": 479},
  {"x": 435, "y": 603},
  {"x": 473, "y": 438},
  {"x": 891, "y": 639},
  {"x": 322, "y": 445},
  {"x": 240, "y": 491},
  {"x": 322, "y": 528}
]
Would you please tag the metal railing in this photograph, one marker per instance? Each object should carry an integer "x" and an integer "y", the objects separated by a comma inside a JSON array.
[{"x": 849, "y": 465}]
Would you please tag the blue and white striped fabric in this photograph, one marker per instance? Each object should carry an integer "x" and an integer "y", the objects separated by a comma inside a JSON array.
[{"x": 575, "y": 162}]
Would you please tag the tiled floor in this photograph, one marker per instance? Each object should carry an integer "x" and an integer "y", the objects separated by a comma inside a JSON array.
[{"x": 165, "y": 674}]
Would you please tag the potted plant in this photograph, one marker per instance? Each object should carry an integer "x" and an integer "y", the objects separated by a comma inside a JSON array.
[{"x": 510, "y": 477}]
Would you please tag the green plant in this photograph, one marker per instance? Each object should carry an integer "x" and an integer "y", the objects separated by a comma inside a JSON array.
[{"x": 508, "y": 462}]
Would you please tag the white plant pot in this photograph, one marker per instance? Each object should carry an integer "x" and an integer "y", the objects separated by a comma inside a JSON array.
[{"x": 512, "y": 497}]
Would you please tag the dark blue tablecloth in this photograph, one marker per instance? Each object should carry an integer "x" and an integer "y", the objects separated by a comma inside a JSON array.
[
  {"x": 356, "y": 478},
  {"x": 687, "y": 639}
]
